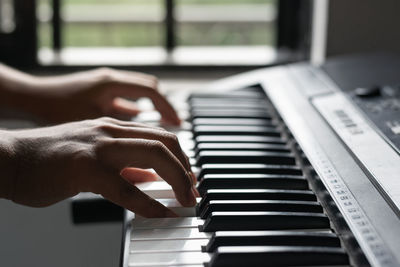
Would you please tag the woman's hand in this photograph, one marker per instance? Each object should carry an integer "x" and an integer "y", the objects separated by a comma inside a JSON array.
[
  {"x": 83, "y": 95},
  {"x": 104, "y": 156}
]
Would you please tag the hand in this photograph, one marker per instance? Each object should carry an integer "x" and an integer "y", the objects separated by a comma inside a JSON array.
[
  {"x": 104, "y": 156},
  {"x": 84, "y": 95}
]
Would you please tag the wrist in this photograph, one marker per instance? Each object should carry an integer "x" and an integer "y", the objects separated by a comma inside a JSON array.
[
  {"x": 8, "y": 164},
  {"x": 26, "y": 99},
  {"x": 19, "y": 90}
]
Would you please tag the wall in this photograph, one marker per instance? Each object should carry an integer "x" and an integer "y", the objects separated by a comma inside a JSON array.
[{"x": 363, "y": 26}]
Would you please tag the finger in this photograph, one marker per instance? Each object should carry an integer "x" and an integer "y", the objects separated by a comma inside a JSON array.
[
  {"x": 125, "y": 123},
  {"x": 135, "y": 175},
  {"x": 145, "y": 154},
  {"x": 141, "y": 75},
  {"x": 166, "y": 110},
  {"x": 194, "y": 179},
  {"x": 125, "y": 107},
  {"x": 195, "y": 192},
  {"x": 168, "y": 139},
  {"x": 131, "y": 89},
  {"x": 122, "y": 193}
]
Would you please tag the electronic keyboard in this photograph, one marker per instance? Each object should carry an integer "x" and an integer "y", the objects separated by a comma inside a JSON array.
[{"x": 297, "y": 165}]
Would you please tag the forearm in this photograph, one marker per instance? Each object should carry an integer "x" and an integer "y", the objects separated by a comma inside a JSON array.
[
  {"x": 19, "y": 91},
  {"x": 13, "y": 81},
  {"x": 8, "y": 165}
]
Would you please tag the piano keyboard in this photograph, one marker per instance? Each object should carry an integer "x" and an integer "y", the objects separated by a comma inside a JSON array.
[{"x": 257, "y": 207}]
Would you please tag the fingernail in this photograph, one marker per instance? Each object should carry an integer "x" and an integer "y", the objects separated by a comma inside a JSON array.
[
  {"x": 195, "y": 191},
  {"x": 189, "y": 176},
  {"x": 194, "y": 179}
]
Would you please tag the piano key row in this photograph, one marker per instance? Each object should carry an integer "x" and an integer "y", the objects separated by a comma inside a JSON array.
[
  {"x": 250, "y": 184},
  {"x": 178, "y": 241}
]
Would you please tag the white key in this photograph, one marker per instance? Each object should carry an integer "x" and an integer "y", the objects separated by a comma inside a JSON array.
[
  {"x": 196, "y": 170},
  {"x": 192, "y": 161},
  {"x": 175, "y": 206},
  {"x": 185, "y": 132},
  {"x": 154, "y": 223},
  {"x": 183, "y": 114},
  {"x": 167, "y": 259},
  {"x": 183, "y": 245},
  {"x": 168, "y": 233},
  {"x": 157, "y": 189},
  {"x": 190, "y": 153},
  {"x": 148, "y": 116}
]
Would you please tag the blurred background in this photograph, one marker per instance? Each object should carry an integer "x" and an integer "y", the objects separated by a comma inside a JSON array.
[
  {"x": 176, "y": 34},
  {"x": 153, "y": 32},
  {"x": 141, "y": 32},
  {"x": 139, "y": 23}
]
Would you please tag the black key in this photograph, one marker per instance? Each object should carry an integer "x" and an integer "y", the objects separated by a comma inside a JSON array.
[
  {"x": 245, "y": 157},
  {"x": 217, "y": 113},
  {"x": 255, "y": 194},
  {"x": 259, "y": 205},
  {"x": 229, "y": 102},
  {"x": 248, "y": 168},
  {"x": 270, "y": 238},
  {"x": 232, "y": 94},
  {"x": 243, "y": 147},
  {"x": 239, "y": 139},
  {"x": 235, "y": 130},
  {"x": 252, "y": 88},
  {"x": 232, "y": 122},
  {"x": 252, "y": 220},
  {"x": 278, "y": 256},
  {"x": 199, "y": 105},
  {"x": 251, "y": 181}
]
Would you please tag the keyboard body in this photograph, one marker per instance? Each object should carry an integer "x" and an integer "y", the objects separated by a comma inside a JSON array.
[{"x": 318, "y": 134}]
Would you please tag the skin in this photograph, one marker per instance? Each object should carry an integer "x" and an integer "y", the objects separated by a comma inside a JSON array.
[
  {"x": 106, "y": 156},
  {"x": 83, "y": 95}
]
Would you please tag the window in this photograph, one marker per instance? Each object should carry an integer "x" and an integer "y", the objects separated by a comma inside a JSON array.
[{"x": 157, "y": 32}]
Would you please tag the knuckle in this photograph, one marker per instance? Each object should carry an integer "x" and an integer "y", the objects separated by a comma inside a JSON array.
[
  {"x": 171, "y": 138},
  {"x": 105, "y": 74},
  {"x": 103, "y": 128},
  {"x": 106, "y": 119},
  {"x": 173, "y": 142},
  {"x": 158, "y": 147},
  {"x": 161, "y": 151}
]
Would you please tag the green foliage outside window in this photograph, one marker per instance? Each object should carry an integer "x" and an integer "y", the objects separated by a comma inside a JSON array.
[{"x": 131, "y": 34}]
